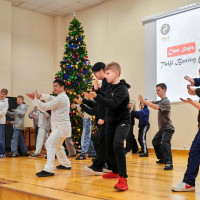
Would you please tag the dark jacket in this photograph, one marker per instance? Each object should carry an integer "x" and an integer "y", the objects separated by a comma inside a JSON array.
[
  {"x": 116, "y": 99},
  {"x": 196, "y": 81},
  {"x": 142, "y": 115}
]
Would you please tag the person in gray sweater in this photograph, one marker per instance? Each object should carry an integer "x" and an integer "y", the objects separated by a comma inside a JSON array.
[{"x": 19, "y": 117}]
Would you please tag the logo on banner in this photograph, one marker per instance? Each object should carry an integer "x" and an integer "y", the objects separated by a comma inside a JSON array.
[
  {"x": 165, "y": 28},
  {"x": 181, "y": 49}
]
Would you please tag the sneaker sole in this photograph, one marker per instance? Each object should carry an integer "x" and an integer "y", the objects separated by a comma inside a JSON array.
[
  {"x": 188, "y": 190},
  {"x": 44, "y": 175},
  {"x": 120, "y": 189},
  {"x": 168, "y": 169},
  {"x": 110, "y": 177},
  {"x": 68, "y": 168},
  {"x": 92, "y": 172},
  {"x": 106, "y": 171}
]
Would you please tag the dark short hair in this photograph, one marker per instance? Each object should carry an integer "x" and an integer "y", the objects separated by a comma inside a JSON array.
[
  {"x": 60, "y": 82},
  {"x": 98, "y": 66},
  {"x": 162, "y": 85}
]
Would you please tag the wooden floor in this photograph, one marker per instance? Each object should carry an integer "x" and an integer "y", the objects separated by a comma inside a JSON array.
[{"x": 146, "y": 180}]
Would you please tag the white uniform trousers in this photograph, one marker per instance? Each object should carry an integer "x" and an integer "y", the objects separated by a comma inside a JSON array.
[
  {"x": 41, "y": 138},
  {"x": 54, "y": 147}
]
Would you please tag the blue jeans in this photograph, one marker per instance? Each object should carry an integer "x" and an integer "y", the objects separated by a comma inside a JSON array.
[
  {"x": 17, "y": 138},
  {"x": 2, "y": 139},
  {"x": 86, "y": 143},
  {"x": 193, "y": 161}
]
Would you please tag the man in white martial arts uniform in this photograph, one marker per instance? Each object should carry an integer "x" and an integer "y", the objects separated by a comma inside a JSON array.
[{"x": 60, "y": 126}]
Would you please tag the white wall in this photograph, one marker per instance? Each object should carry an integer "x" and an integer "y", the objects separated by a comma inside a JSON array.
[{"x": 5, "y": 44}]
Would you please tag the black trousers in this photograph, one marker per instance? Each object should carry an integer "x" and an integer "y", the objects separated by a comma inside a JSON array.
[
  {"x": 162, "y": 145},
  {"x": 99, "y": 142},
  {"x": 115, "y": 136},
  {"x": 131, "y": 142},
  {"x": 142, "y": 138}
]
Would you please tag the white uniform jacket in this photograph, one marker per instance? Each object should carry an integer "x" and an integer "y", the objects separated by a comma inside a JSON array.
[{"x": 60, "y": 108}]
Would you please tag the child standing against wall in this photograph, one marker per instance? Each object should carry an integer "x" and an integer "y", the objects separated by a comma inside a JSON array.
[
  {"x": 19, "y": 118},
  {"x": 3, "y": 110}
]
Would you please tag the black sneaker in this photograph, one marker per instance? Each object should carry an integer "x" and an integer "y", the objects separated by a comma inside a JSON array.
[
  {"x": 13, "y": 155},
  {"x": 160, "y": 162},
  {"x": 44, "y": 174},
  {"x": 168, "y": 166},
  {"x": 62, "y": 167},
  {"x": 140, "y": 151},
  {"x": 81, "y": 157},
  {"x": 34, "y": 155},
  {"x": 24, "y": 154},
  {"x": 93, "y": 171},
  {"x": 90, "y": 156},
  {"x": 144, "y": 155}
]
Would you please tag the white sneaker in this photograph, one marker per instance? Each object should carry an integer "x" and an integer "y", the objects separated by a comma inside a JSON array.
[
  {"x": 183, "y": 187},
  {"x": 93, "y": 171},
  {"x": 105, "y": 170}
]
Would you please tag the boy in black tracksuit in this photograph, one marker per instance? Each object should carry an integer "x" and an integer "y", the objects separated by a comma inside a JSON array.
[
  {"x": 94, "y": 108},
  {"x": 116, "y": 100}
]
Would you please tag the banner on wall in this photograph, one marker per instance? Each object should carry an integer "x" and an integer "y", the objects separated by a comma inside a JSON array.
[{"x": 178, "y": 52}]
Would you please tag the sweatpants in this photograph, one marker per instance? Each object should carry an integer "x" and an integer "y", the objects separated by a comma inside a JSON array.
[
  {"x": 131, "y": 142},
  {"x": 41, "y": 138},
  {"x": 193, "y": 161},
  {"x": 54, "y": 147},
  {"x": 162, "y": 145},
  {"x": 99, "y": 142},
  {"x": 70, "y": 146},
  {"x": 142, "y": 138},
  {"x": 115, "y": 136}
]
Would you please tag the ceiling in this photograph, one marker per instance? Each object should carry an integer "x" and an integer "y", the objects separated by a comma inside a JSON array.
[{"x": 55, "y": 7}]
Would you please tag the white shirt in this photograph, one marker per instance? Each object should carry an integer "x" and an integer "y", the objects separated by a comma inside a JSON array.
[
  {"x": 60, "y": 107},
  {"x": 3, "y": 110},
  {"x": 44, "y": 120}
]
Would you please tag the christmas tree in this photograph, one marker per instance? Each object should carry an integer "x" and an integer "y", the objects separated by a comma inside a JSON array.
[{"x": 75, "y": 70}]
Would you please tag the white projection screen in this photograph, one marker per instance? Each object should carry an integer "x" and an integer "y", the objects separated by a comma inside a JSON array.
[{"x": 172, "y": 51}]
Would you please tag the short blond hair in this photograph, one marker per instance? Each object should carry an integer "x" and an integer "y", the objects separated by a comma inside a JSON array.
[
  {"x": 20, "y": 97},
  {"x": 4, "y": 90},
  {"x": 114, "y": 66}
]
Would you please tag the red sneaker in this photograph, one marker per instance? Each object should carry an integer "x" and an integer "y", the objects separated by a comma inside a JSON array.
[
  {"x": 110, "y": 175},
  {"x": 121, "y": 184}
]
